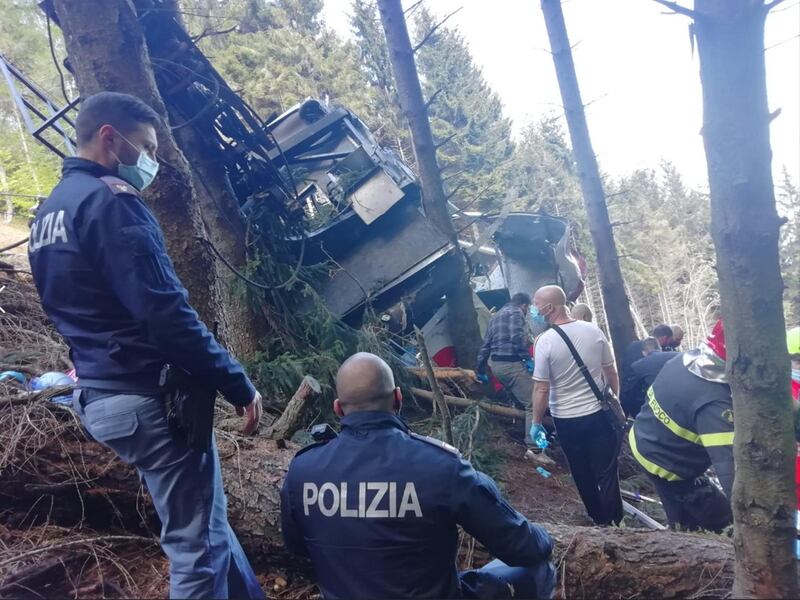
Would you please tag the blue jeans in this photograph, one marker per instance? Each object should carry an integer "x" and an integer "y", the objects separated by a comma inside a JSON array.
[
  {"x": 205, "y": 558},
  {"x": 497, "y": 580}
]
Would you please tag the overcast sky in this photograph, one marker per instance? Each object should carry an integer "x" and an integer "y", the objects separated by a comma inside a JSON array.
[{"x": 635, "y": 66}]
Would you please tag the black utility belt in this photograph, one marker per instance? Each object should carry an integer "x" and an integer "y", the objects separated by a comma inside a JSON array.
[{"x": 506, "y": 358}]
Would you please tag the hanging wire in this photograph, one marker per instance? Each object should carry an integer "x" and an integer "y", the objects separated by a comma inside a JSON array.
[
  {"x": 55, "y": 60},
  {"x": 292, "y": 278}
]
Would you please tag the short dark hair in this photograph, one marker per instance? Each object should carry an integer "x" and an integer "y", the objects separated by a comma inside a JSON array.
[
  {"x": 520, "y": 299},
  {"x": 123, "y": 111},
  {"x": 662, "y": 331},
  {"x": 650, "y": 345}
]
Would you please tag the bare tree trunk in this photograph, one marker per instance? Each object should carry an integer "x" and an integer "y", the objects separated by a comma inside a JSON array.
[
  {"x": 462, "y": 318},
  {"x": 447, "y": 428},
  {"x": 241, "y": 327},
  {"x": 620, "y": 322},
  {"x": 745, "y": 229},
  {"x": 107, "y": 52}
]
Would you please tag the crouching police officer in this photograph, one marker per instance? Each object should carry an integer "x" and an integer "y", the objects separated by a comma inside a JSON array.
[
  {"x": 377, "y": 508},
  {"x": 104, "y": 278}
]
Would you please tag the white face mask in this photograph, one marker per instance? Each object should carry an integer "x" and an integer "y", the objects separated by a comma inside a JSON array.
[{"x": 142, "y": 173}]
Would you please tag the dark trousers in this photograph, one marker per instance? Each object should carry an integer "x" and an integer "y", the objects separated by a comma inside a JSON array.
[
  {"x": 498, "y": 581},
  {"x": 694, "y": 504},
  {"x": 591, "y": 446},
  {"x": 205, "y": 557}
]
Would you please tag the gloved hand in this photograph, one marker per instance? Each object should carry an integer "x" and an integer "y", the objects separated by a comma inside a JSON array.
[
  {"x": 529, "y": 365},
  {"x": 482, "y": 377},
  {"x": 539, "y": 435}
]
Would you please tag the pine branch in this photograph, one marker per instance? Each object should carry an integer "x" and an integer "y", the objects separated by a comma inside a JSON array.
[
  {"x": 448, "y": 139},
  {"x": 682, "y": 10},
  {"x": 456, "y": 190},
  {"x": 433, "y": 29},
  {"x": 206, "y": 33},
  {"x": 410, "y": 10},
  {"x": 769, "y": 6},
  {"x": 433, "y": 97}
]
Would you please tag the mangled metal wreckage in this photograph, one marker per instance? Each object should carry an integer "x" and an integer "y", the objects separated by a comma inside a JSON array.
[{"x": 357, "y": 204}]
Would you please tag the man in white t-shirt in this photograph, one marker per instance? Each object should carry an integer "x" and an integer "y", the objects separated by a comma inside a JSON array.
[{"x": 587, "y": 437}]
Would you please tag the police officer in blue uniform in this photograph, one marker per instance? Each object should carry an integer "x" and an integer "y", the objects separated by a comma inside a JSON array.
[
  {"x": 105, "y": 280},
  {"x": 377, "y": 508}
]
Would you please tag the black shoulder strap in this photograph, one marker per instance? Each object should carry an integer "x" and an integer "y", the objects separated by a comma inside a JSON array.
[{"x": 581, "y": 365}]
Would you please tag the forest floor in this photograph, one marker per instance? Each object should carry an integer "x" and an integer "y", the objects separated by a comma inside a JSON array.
[
  {"x": 10, "y": 233},
  {"x": 59, "y": 539}
]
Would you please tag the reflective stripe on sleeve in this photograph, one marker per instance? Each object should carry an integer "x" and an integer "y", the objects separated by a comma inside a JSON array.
[
  {"x": 666, "y": 420},
  {"x": 649, "y": 466},
  {"x": 717, "y": 439}
]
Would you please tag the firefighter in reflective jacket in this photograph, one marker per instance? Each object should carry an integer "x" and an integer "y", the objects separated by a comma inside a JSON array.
[
  {"x": 377, "y": 508},
  {"x": 685, "y": 426}
]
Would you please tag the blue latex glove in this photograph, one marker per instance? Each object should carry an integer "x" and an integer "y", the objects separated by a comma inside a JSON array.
[
  {"x": 529, "y": 365},
  {"x": 482, "y": 377},
  {"x": 539, "y": 435}
]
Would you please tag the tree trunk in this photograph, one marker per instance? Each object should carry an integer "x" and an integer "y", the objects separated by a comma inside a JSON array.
[
  {"x": 291, "y": 419},
  {"x": 107, "y": 52},
  {"x": 627, "y": 563},
  {"x": 462, "y": 318},
  {"x": 745, "y": 227},
  {"x": 620, "y": 323},
  {"x": 241, "y": 327}
]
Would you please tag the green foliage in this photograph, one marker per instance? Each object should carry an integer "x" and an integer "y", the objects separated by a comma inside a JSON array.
[
  {"x": 30, "y": 169},
  {"x": 280, "y": 53},
  {"x": 388, "y": 123},
  {"x": 666, "y": 250},
  {"x": 466, "y": 117},
  {"x": 31, "y": 174}
]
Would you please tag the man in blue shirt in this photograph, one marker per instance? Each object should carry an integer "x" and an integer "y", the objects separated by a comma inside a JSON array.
[
  {"x": 377, "y": 509},
  {"x": 105, "y": 280}
]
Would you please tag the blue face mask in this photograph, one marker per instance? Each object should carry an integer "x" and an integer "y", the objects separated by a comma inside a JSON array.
[
  {"x": 796, "y": 375},
  {"x": 142, "y": 173},
  {"x": 537, "y": 317}
]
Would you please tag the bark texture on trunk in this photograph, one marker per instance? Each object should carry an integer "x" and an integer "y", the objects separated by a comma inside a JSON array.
[
  {"x": 241, "y": 327},
  {"x": 107, "y": 52},
  {"x": 462, "y": 318},
  {"x": 745, "y": 228},
  {"x": 612, "y": 285},
  {"x": 608, "y": 562}
]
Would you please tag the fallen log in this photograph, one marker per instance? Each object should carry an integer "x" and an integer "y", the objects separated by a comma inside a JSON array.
[
  {"x": 613, "y": 562},
  {"x": 495, "y": 409},
  {"x": 445, "y": 373},
  {"x": 289, "y": 422}
]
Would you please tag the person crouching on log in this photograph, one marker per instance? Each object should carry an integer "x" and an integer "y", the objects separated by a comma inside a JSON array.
[
  {"x": 377, "y": 508},
  {"x": 99, "y": 262}
]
